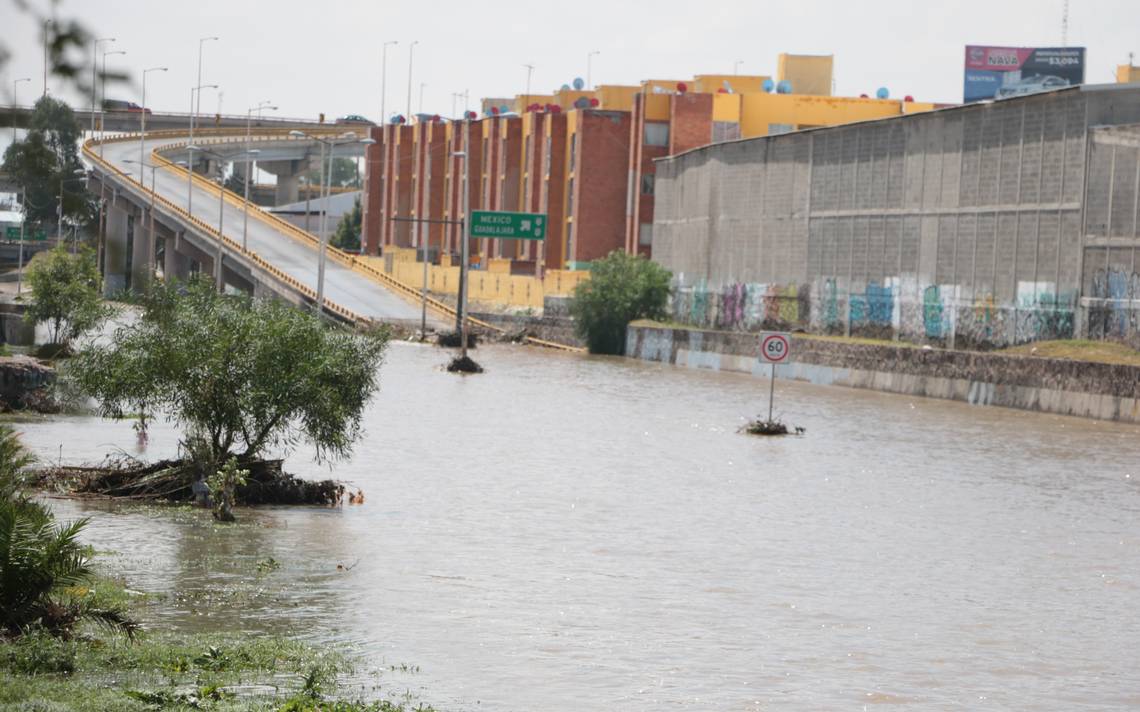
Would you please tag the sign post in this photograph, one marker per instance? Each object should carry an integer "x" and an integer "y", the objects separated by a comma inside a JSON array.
[{"x": 775, "y": 347}]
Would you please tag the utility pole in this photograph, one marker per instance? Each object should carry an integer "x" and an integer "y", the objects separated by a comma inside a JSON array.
[
  {"x": 1065, "y": 24},
  {"x": 466, "y": 230}
]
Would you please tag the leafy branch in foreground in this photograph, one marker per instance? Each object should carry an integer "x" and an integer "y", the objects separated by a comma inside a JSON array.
[{"x": 239, "y": 375}]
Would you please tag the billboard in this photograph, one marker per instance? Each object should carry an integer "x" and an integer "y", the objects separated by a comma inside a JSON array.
[{"x": 1002, "y": 72}]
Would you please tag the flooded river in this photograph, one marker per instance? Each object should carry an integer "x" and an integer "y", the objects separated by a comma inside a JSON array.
[{"x": 575, "y": 533}]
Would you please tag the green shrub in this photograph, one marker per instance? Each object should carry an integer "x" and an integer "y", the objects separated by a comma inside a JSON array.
[
  {"x": 621, "y": 288},
  {"x": 66, "y": 294}
]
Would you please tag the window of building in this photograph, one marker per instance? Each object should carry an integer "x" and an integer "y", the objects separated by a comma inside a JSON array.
[
  {"x": 569, "y": 255},
  {"x": 647, "y": 180},
  {"x": 776, "y": 129},
  {"x": 645, "y": 235},
  {"x": 573, "y": 146},
  {"x": 656, "y": 134},
  {"x": 570, "y": 197},
  {"x": 546, "y": 158}
]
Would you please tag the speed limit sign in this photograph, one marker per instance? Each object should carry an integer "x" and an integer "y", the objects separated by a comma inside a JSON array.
[{"x": 775, "y": 346}]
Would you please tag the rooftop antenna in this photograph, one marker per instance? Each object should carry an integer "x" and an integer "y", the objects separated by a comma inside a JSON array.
[{"x": 1065, "y": 24}]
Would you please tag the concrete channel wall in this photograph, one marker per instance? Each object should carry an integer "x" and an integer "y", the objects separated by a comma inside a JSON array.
[
  {"x": 1093, "y": 390},
  {"x": 971, "y": 227}
]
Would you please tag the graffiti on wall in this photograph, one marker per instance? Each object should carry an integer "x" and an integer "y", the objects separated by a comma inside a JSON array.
[
  {"x": 1116, "y": 316},
  {"x": 902, "y": 307},
  {"x": 742, "y": 306}
]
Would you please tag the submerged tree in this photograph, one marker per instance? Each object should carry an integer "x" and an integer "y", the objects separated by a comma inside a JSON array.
[
  {"x": 239, "y": 375},
  {"x": 66, "y": 294},
  {"x": 621, "y": 288}
]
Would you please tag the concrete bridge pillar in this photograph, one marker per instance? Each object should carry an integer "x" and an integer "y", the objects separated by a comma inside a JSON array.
[
  {"x": 288, "y": 189},
  {"x": 175, "y": 264},
  {"x": 116, "y": 254},
  {"x": 142, "y": 252},
  {"x": 288, "y": 178}
]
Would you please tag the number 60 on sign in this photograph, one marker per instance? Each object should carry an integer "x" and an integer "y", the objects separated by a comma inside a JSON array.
[{"x": 775, "y": 346}]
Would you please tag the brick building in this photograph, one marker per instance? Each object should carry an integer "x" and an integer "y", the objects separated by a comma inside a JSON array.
[{"x": 583, "y": 157}]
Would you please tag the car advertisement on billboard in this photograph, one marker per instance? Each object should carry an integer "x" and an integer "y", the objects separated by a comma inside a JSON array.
[{"x": 1002, "y": 72}]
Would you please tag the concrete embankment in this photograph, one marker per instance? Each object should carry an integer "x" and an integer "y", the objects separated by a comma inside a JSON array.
[{"x": 1094, "y": 390}]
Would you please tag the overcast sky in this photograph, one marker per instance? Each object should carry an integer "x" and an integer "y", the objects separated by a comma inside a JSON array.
[{"x": 325, "y": 57}]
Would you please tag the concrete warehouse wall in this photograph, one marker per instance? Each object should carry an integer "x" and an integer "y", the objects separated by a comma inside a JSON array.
[
  {"x": 1094, "y": 390},
  {"x": 977, "y": 226}
]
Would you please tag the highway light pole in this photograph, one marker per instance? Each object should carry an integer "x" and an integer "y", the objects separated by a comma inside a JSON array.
[
  {"x": 47, "y": 23},
  {"x": 590, "y": 66},
  {"x": 326, "y": 190},
  {"x": 411, "y": 51},
  {"x": 219, "y": 282},
  {"x": 142, "y": 118},
  {"x": 23, "y": 224},
  {"x": 150, "y": 208},
  {"x": 15, "y": 88},
  {"x": 248, "y": 161},
  {"x": 103, "y": 93},
  {"x": 79, "y": 173},
  {"x": 94, "y": 76},
  {"x": 384, "y": 79},
  {"x": 189, "y": 148},
  {"x": 194, "y": 111}
]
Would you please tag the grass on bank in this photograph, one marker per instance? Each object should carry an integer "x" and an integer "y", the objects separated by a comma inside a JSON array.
[
  {"x": 96, "y": 671},
  {"x": 1079, "y": 350}
]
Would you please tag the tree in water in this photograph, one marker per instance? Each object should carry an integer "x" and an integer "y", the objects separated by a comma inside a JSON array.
[
  {"x": 66, "y": 294},
  {"x": 621, "y": 288},
  {"x": 239, "y": 375}
]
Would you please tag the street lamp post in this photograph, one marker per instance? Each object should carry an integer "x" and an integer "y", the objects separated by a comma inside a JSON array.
[
  {"x": 463, "y": 256},
  {"x": 411, "y": 53},
  {"x": 94, "y": 76},
  {"x": 325, "y": 192},
  {"x": 46, "y": 43},
  {"x": 142, "y": 117},
  {"x": 590, "y": 66},
  {"x": 190, "y": 148},
  {"x": 150, "y": 208},
  {"x": 221, "y": 208},
  {"x": 194, "y": 111},
  {"x": 248, "y": 160},
  {"x": 15, "y": 88},
  {"x": 384, "y": 79},
  {"x": 529, "y": 71},
  {"x": 103, "y": 93},
  {"x": 736, "y": 66},
  {"x": 78, "y": 173}
]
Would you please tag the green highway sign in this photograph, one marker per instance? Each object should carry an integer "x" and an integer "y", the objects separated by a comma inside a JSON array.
[
  {"x": 508, "y": 226},
  {"x": 12, "y": 233},
  {"x": 39, "y": 235}
]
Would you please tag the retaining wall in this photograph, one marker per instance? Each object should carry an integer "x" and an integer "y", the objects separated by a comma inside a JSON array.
[{"x": 1082, "y": 388}]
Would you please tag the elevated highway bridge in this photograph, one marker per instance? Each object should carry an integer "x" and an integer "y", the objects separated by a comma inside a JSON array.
[{"x": 174, "y": 229}]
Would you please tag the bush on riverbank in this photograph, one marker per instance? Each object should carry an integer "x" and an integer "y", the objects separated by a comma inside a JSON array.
[
  {"x": 44, "y": 571},
  {"x": 621, "y": 288}
]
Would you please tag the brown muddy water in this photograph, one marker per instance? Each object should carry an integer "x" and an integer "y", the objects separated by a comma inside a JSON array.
[{"x": 574, "y": 533}]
